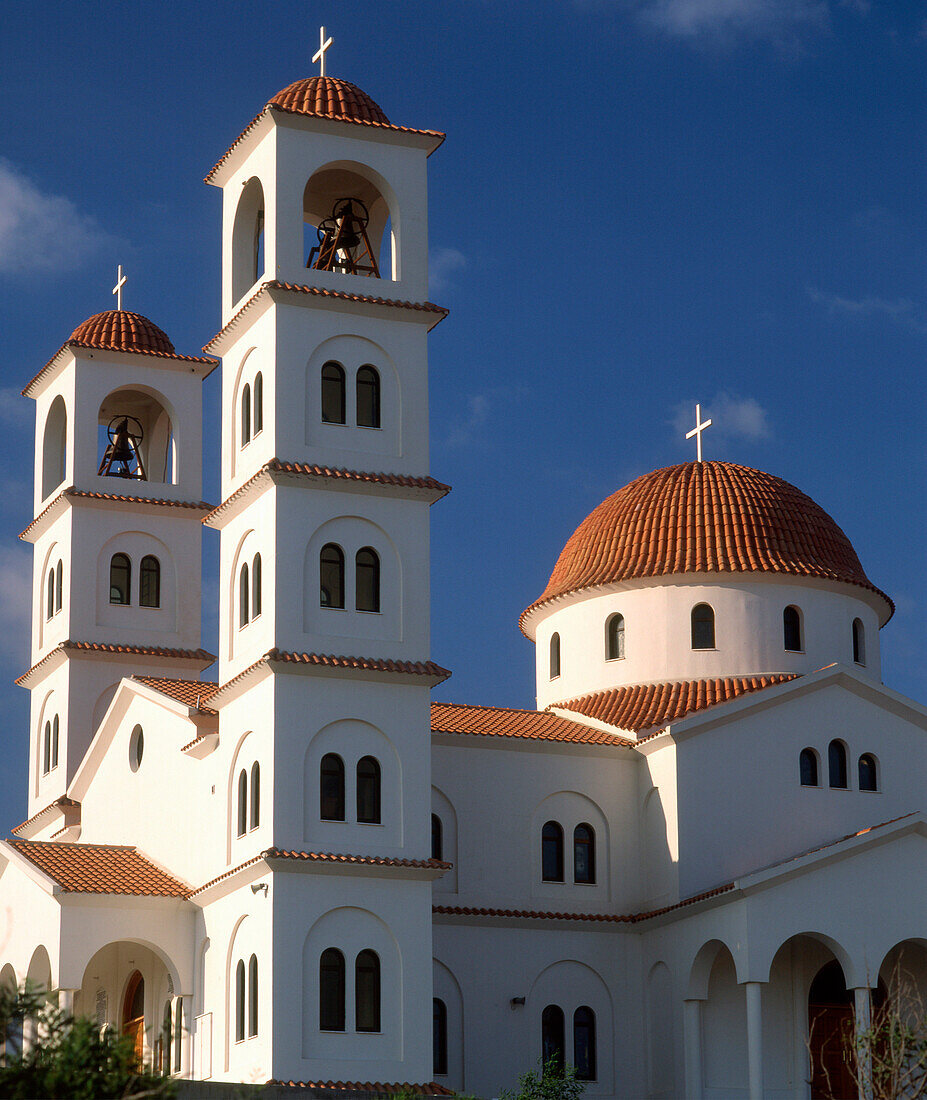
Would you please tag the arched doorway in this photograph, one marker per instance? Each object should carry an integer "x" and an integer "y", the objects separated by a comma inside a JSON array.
[
  {"x": 133, "y": 1014},
  {"x": 830, "y": 1026}
]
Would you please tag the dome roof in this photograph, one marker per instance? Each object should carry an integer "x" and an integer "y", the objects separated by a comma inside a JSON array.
[
  {"x": 119, "y": 330},
  {"x": 704, "y": 517},
  {"x": 329, "y": 97}
]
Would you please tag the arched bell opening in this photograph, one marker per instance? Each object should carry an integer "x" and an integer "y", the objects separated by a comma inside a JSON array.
[
  {"x": 136, "y": 438},
  {"x": 350, "y": 227},
  {"x": 54, "y": 446},
  {"x": 248, "y": 239}
]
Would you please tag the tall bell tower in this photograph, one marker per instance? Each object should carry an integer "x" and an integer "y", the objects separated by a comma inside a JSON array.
[{"x": 324, "y": 603}]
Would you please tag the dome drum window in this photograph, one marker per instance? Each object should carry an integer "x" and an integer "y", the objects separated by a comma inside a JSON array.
[
  {"x": 614, "y": 637},
  {"x": 859, "y": 642},
  {"x": 554, "y": 656},
  {"x": 792, "y": 640},
  {"x": 703, "y": 627}
]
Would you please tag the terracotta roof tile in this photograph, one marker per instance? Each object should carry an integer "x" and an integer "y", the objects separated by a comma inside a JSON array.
[
  {"x": 644, "y": 706},
  {"x": 105, "y": 647},
  {"x": 227, "y": 874},
  {"x": 431, "y": 1089},
  {"x": 373, "y": 861},
  {"x": 704, "y": 517},
  {"x": 504, "y": 722},
  {"x": 100, "y": 869},
  {"x": 372, "y": 664},
  {"x": 85, "y": 494},
  {"x": 193, "y": 693},
  {"x": 59, "y": 804}
]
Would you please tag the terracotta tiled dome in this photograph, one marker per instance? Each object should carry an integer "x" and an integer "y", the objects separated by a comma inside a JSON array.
[
  {"x": 119, "y": 330},
  {"x": 705, "y": 517},
  {"x": 330, "y": 98}
]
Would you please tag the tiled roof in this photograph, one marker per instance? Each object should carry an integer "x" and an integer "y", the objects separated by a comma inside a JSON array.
[
  {"x": 704, "y": 517},
  {"x": 193, "y": 693},
  {"x": 228, "y": 874},
  {"x": 59, "y": 804},
  {"x": 329, "y": 97},
  {"x": 431, "y": 1089},
  {"x": 100, "y": 869},
  {"x": 119, "y": 330},
  {"x": 372, "y": 664},
  {"x": 86, "y": 494},
  {"x": 644, "y": 706},
  {"x": 137, "y": 650},
  {"x": 505, "y": 722},
  {"x": 372, "y": 861}
]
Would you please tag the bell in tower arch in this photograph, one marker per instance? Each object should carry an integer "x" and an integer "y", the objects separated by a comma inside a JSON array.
[
  {"x": 343, "y": 242},
  {"x": 122, "y": 457}
]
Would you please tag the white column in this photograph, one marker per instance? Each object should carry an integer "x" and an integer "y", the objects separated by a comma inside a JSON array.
[
  {"x": 693, "y": 1043},
  {"x": 754, "y": 992},
  {"x": 66, "y": 1000},
  {"x": 863, "y": 1021}
]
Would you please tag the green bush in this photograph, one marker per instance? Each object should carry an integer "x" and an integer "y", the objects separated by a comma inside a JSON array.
[{"x": 554, "y": 1082}]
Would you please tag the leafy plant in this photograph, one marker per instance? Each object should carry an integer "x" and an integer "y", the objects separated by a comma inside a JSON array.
[{"x": 554, "y": 1082}]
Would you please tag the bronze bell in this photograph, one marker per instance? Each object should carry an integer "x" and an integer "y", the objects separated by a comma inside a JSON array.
[{"x": 123, "y": 450}]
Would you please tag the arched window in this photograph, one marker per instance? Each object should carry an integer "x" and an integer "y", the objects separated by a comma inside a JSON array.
[
  {"x": 242, "y": 803},
  {"x": 255, "y": 818},
  {"x": 54, "y": 743},
  {"x": 331, "y": 788},
  {"x": 614, "y": 637},
  {"x": 46, "y": 749},
  {"x": 439, "y": 1037},
  {"x": 791, "y": 630},
  {"x": 59, "y": 585},
  {"x": 367, "y": 580},
  {"x": 868, "y": 773},
  {"x": 584, "y": 854},
  {"x": 256, "y": 586},
  {"x": 50, "y": 598},
  {"x": 244, "y": 597},
  {"x": 367, "y": 991},
  {"x": 120, "y": 579},
  {"x": 245, "y": 415},
  {"x": 331, "y": 990},
  {"x": 368, "y": 791},
  {"x": 331, "y": 575},
  {"x": 703, "y": 627},
  {"x": 437, "y": 838},
  {"x": 178, "y": 1034},
  {"x": 368, "y": 398},
  {"x": 149, "y": 582},
  {"x": 553, "y": 1045},
  {"x": 333, "y": 393},
  {"x": 584, "y": 1043},
  {"x": 167, "y": 1027},
  {"x": 859, "y": 642},
  {"x": 240, "y": 1001},
  {"x": 808, "y": 767},
  {"x": 554, "y": 656},
  {"x": 54, "y": 446},
  {"x": 258, "y": 403},
  {"x": 252, "y": 996},
  {"x": 552, "y": 852},
  {"x": 837, "y": 764}
]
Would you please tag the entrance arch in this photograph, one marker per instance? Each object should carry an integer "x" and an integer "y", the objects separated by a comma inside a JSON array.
[
  {"x": 133, "y": 1013},
  {"x": 830, "y": 1033}
]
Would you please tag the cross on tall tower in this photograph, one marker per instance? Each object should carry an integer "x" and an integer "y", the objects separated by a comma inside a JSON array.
[
  {"x": 117, "y": 289},
  {"x": 698, "y": 429},
  {"x": 319, "y": 55}
]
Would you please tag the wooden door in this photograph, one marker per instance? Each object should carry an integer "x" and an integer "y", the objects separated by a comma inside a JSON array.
[{"x": 133, "y": 1015}]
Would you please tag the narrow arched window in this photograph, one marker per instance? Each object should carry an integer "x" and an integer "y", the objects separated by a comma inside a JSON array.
[
  {"x": 368, "y": 791},
  {"x": 255, "y": 816},
  {"x": 584, "y": 854},
  {"x": 331, "y": 990},
  {"x": 439, "y": 1037},
  {"x": 242, "y": 803},
  {"x": 59, "y": 586},
  {"x": 331, "y": 576},
  {"x": 808, "y": 767},
  {"x": 552, "y": 852},
  {"x": 614, "y": 637},
  {"x": 46, "y": 749},
  {"x": 167, "y": 1025},
  {"x": 331, "y": 788},
  {"x": 178, "y": 1035},
  {"x": 333, "y": 393},
  {"x": 837, "y": 764},
  {"x": 367, "y": 991},
  {"x": 703, "y": 627},
  {"x": 553, "y": 1046},
  {"x": 859, "y": 642},
  {"x": 256, "y": 586},
  {"x": 868, "y": 773},
  {"x": 54, "y": 743},
  {"x": 791, "y": 630},
  {"x": 258, "y": 403},
  {"x": 367, "y": 580},
  {"x": 245, "y": 415},
  {"x": 252, "y": 997},
  {"x": 437, "y": 838},
  {"x": 50, "y": 597},
  {"x": 149, "y": 582},
  {"x": 240, "y": 1001},
  {"x": 368, "y": 398},
  {"x": 120, "y": 579},
  {"x": 584, "y": 1043},
  {"x": 244, "y": 596},
  {"x": 554, "y": 656}
]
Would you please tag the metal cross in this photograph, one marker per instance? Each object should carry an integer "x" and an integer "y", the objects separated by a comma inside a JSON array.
[
  {"x": 117, "y": 289},
  {"x": 698, "y": 429},
  {"x": 319, "y": 55}
]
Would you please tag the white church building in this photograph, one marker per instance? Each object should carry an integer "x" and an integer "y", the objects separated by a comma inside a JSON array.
[{"x": 709, "y": 834}]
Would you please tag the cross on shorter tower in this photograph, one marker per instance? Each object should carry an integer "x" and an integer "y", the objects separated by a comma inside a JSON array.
[
  {"x": 117, "y": 289},
  {"x": 698, "y": 429},
  {"x": 319, "y": 55}
]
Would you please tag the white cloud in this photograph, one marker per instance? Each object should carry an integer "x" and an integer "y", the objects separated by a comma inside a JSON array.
[
  {"x": 15, "y": 604},
  {"x": 42, "y": 232},
  {"x": 466, "y": 431},
  {"x": 778, "y": 20},
  {"x": 442, "y": 263},
  {"x": 731, "y": 418},
  {"x": 901, "y": 311}
]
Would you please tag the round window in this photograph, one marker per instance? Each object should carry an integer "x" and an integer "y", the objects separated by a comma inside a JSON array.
[{"x": 136, "y": 748}]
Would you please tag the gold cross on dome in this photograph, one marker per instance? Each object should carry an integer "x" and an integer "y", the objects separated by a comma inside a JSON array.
[
  {"x": 698, "y": 429},
  {"x": 319, "y": 54},
  {"x": 117, "y": 289}
]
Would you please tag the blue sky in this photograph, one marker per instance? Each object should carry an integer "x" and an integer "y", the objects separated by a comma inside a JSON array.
[{"x": 640, "y": 204}]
